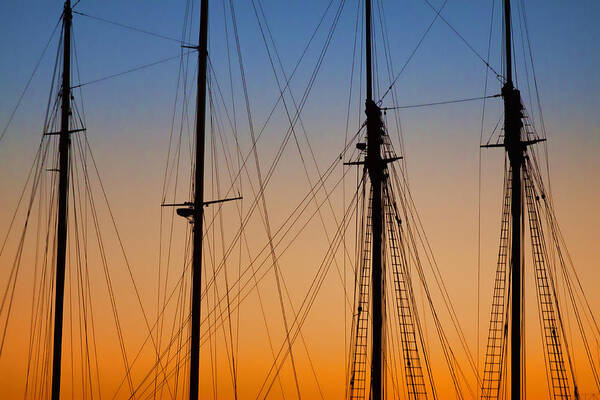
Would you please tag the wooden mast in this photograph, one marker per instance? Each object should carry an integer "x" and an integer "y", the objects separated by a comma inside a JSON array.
[
  {"x": 63, "y": 197},
  {"x": 375, "y": 167},
  {"x": 198, "y": 201},
  {"x": 515, "y": 149}
]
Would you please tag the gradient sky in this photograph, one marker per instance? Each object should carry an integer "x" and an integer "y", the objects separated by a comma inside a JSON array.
[{"x": 129, "y": 120}]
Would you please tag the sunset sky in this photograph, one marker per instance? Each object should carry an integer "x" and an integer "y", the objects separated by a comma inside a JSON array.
[{"x": 129, "y": 121}]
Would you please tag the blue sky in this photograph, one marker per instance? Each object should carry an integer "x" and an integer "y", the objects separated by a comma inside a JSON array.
[
  {"x": 564, "y": 37},
  {"x": 129, "y": 117}
]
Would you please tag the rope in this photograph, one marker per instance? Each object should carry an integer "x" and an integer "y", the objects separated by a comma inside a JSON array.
[
  {"x": 132, "y": 28},
  {"x": 13, "y": 112},
  {"x": 479, "y": 165},
  {"x": 135, "y": 69},
  {"x": 439, "y": 102},
  {"x": 462, "y": 38},
  {"x": 413, "y": 52}
]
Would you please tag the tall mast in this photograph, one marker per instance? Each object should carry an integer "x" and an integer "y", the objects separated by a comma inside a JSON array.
[
  {"x": 515, "y": 149},
  {"x": 64, "y": 147},
  {"x": 198, "y": 200},
  {"x": 368, "y": 50},
  {"x": 375, "y": 168}
]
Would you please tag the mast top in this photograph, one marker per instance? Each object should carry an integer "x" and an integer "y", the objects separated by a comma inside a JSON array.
[
  {"x": 508, "y": 43},
  {"x": 368, "y": 56}
]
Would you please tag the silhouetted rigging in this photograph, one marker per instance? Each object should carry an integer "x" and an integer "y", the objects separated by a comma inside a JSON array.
[{"x": 389, "y": 352}]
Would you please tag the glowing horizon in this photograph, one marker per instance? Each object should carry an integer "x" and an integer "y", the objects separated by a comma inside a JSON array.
[{"x": 129, "y": 120}]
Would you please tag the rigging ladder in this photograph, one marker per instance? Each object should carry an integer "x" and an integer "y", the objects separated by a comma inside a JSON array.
[
  {"x": 358, "y": 377},
  {"x": 415, "y": 381},
  {"x": 498, "y": 328},
  {"x": 559, "y": 385}
]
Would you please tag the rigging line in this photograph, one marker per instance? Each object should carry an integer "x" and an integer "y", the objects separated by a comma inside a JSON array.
[
  {"x": 529, "y": 106},
  {"x": 135, "y": 69},
  {"x": 413, "y": 52},
  {"x": 182, "y": 70},
  {"x": 234, "y": 358},
  {"x": 553, "y": 279},
  {"x": 545, "y": 288},
  {"x": 138, "y": 296},
  {"x": 270, "y": 172},
  {"x": 479, "y": 181},
  {"x": 108, "y": 280},
  {"x": 73, "y": 265},
  {"x": 87, "y": 298},
  {"x": 300, "y": 153},
  {"x": 539, "y": 103},
  {"x": 240, "y": 190},
  {"x": 397, "y": 234},
  {"x": 262, "y": 196},
  {"x": 282, "y": 91},
  {"x": 39, "y": 304},
  {"x": 297, "y": 111},
  {"x": 416, "y": 220},
  {"x": 345, "y": 284},
  {"x": 286, "y": 247},
  {"x": 87, "y": 281},
  {"x": 312, "y": 191},
  {"x": 205, "y": 320},
  {"x": 77, "y": 259},
  {"x": 14, "y": 272},
  {"x": 308, "y": 300},
  {"x": 440, "y": 102},
  {"x": 133, "y": 28},
  {"x": 101, "y": 245},
  {"x": 556, "y": 235},
  {"x": 182, "y": 76},
  {"x": 329, "y": 170},
  {"x": 39, "y": 157},
  {"x": 501, "y": 119},
  {"x": 216, "y": 131},
  {"x": 48, "y": 118},
  {"x": 404, "y": 264},
  {"x": 36, "y": 169},
  {"x": 39, "y": 61},
  {"x": 36, "y": 272},
  {"x": 164, "y": 183},
  {"x": 390, "y": 68},
  {"x": 305, "y": 96},
  {"x": 286, "y": 226},
  {"x": 243, "y": 240},
  {"x": 177, "y": 318},
  {"x": 188, "y": 319},
  {"x": 462, "y": 38},
  {"x": 47, "y": 290}
]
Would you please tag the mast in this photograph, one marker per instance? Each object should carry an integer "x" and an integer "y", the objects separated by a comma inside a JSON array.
[
  {"x": 198, "y": 201},
  {"x": 515, "y": 149},
  {"x": 375, "y": 167},
  {"x": 63, "y": 192}
]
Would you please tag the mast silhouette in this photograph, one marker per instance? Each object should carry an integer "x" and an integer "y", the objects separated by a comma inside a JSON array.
[
  {"x": 64, "y": 148},
  {"x": 375, "y": 167},
  {"x": 198, "y": 205},
  {"x": 515, "y": 149}
]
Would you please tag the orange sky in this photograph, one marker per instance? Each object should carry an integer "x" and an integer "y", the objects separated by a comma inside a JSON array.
[{"x": 441, "y": 153}]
